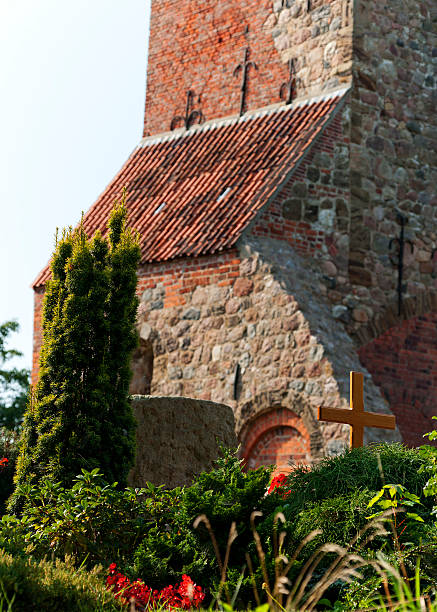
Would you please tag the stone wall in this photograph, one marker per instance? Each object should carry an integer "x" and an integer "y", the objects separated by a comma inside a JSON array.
[
  {"x": 393, "y": 148},
  {"x": 259, "y": 340},
  {"x": 177, "y": 438},
  {"x": 317, "y": 36}
]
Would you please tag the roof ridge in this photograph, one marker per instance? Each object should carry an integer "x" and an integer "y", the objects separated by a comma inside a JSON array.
[{"x": 211, "y": 124}]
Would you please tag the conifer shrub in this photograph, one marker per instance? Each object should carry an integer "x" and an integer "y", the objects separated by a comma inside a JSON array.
[
  {"x": 80, "y": 415},
  {"x": 357, "y": 469},
  {"x": 27, "y": 584}
]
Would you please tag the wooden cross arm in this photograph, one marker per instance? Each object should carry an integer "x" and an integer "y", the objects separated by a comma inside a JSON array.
[
  {"x": 336, "y": 415},
  {"x": 383, "y": 421},
  {"x": 350, "y": 417}
]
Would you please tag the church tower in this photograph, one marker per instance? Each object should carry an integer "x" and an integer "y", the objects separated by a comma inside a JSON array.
[
  {"x": 197, "y": 45},
  {"x": 285, "y": 194}
]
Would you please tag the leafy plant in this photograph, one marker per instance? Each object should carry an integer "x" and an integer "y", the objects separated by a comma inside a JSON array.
[
  {"x": 429, "y": 454},
  {"x": 226, "y": 496},
  {"x": 394, "y": 496},
  {"x": 80, "y": 415},
  {"x": 91, "y": 522}
]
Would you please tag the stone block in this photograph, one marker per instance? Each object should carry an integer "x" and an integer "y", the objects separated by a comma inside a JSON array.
[
  {"x": 177, "y": 438},
  {"x": 191, "y": 314},
  {"x": 300, "y": 189},
  {"x": 313, "y": 174},
  {"x": 242, "y": 287},
  {"x": 292, "y": 209},
  {"x": 360, "y": 276}
]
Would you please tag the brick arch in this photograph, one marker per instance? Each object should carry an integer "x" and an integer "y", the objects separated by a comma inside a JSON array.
[
  {"x": 275, "y": 437},
  {"x": 403, "y": 363},
  {"x": 279, "y": 409},
  {"x": 413, "y": 306}
]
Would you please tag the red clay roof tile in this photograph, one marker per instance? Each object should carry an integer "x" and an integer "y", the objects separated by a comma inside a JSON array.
[{"x": 174, "y": 182}]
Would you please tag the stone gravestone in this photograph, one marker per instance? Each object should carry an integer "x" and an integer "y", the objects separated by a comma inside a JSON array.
[{"x": 177, "y": 438}]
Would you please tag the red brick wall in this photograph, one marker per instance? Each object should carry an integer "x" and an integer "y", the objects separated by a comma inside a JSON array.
[
  {"x": 403, "y": 362},
  {"x": 275, "y": 437},
  {"x": 196, "y": 45},
  {"x": 184, "y": 275},
  {"x": 37, "y": 331}
]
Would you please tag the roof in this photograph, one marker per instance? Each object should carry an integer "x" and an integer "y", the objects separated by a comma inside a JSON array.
[{"x": 193, "y": 192}]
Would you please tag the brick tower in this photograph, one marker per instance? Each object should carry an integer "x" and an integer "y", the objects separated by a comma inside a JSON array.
[{"x": 284, "y": 190}]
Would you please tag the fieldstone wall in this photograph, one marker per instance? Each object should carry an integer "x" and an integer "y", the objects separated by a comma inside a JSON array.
[
  {"x": 177, "y": 438},
  {"x": 317, "y": 36},
  {"x": 388, "y": 53},
  {"x": 262, "y": 339},
  {"x": 393, "y": 151}
]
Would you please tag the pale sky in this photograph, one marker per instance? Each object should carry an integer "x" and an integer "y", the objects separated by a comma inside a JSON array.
[{"x": 72, "y": 89}]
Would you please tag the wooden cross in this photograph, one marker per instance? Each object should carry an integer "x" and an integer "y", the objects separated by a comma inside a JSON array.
[{"x": 356, "y": 417}]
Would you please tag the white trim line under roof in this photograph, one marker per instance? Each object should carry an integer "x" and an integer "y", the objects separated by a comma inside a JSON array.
[{"x": 217, "y": 123}]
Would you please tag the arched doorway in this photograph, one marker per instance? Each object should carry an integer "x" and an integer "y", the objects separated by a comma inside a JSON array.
[
  {"x": 403, "y": 363},
  {"x": 277, "y": 436}
]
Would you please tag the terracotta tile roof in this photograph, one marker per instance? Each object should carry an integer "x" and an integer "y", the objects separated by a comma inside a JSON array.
[{"x": 194, "y": 192}]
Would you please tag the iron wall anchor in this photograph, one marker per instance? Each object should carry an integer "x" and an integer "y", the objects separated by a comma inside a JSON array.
[
  {"x": 244, "y": 67},
  {"x": 190, "y": 115},
  {"x": 287, "y": 89},
  {"x": 397, "y": 258}
]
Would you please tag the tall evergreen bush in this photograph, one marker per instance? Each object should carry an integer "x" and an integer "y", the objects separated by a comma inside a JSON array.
[{"x": 80, "y": 415}]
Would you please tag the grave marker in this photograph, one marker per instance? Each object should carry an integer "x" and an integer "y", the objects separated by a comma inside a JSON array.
[{"x": 356, "y": 417}]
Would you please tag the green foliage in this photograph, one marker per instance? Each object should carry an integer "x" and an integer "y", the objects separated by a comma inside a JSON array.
[
  {"x": 225, "y": 495},
  {"x": 395, "y": 496},
  {"x": 14, "y": 382},
  {"x": 429, "y": 454},
  {"x": 339, "y": 518},
  {"x": 80, "y": 416},
  {"x": 92, "y": 522},
  {"x": 26, "y": 584},
  {"x": 357, "y": 469}
]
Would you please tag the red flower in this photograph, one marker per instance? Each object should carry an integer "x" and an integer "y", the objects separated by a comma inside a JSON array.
[
  {"x": 4, "y": 462},
  {"x": 277, "y": 484},
  {"x": 186, "y": 595}
]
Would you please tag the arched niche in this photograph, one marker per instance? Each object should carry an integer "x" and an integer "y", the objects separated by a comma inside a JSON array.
[
  {"x": 142, "y": 369},
  {"x": 277, "y": 436}
]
